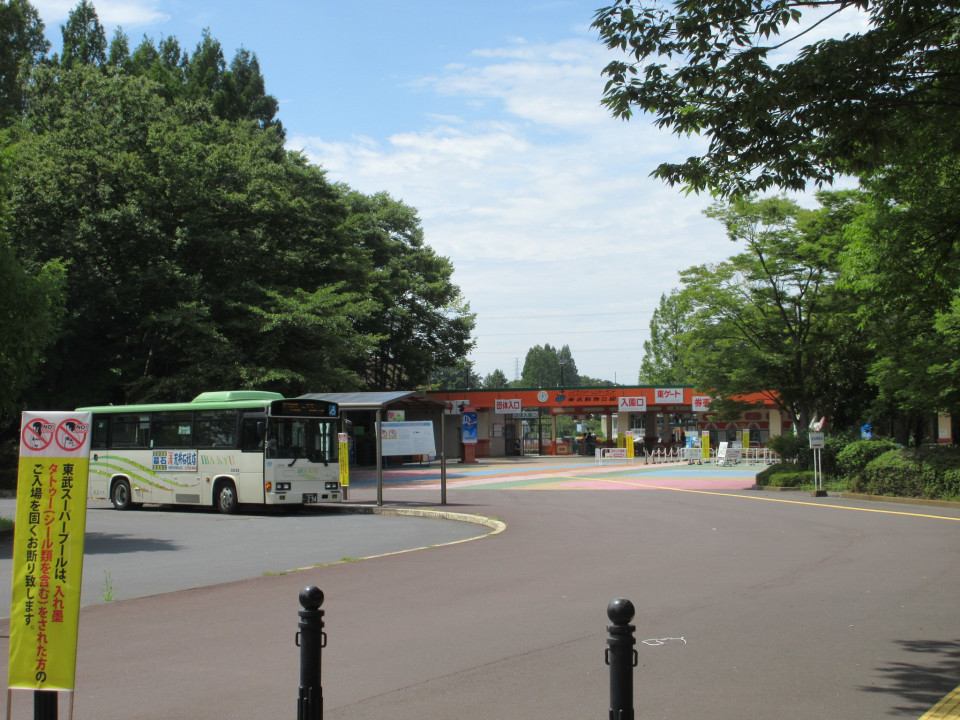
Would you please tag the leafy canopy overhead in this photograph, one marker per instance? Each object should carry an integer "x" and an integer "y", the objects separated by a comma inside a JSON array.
[{"x": 832, "y": 106}]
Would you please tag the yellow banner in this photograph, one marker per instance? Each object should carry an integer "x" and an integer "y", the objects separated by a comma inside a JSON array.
[
  {"x": 48, "y": 550},
  {"x": 344, "y": 460},
  {"x": 705, "y": 444}
]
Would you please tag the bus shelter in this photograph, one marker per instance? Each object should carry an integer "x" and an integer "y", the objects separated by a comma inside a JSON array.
[{"x": 414, "y": 405}]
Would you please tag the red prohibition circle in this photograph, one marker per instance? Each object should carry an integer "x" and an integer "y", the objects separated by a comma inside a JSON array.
[
  {"x": 71, "y": 434},
  {"x": 37, "y": 434}
]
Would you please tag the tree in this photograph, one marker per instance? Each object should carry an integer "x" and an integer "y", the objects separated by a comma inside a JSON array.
[
  {"x": 459, "y": 376},
  {"x": 199, "y": 250},
  {"x": 838, "y": 106},
  {"x": 242, "y": 93},
  {"x": 22, "y": 45},
  {"x": 31, "y": 305},
  {"x": 84, "y": 40},
  {"x": 663, "y": 360},
  {"x": 548, "y": 366},
  {"x": 772, "y": 319},
  {"x": 423, "y": 323},
  {"x": 904, "y": 262},
  {"x": 495, "y": 380}
]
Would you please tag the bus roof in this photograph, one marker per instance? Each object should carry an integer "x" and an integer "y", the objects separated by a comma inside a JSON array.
[{"x": 204, "y": 401}]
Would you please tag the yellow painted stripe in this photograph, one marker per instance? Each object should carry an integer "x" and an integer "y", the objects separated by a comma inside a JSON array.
[
  {"x": 946, "y": 709},
  {"x": 790, "y": 502}
]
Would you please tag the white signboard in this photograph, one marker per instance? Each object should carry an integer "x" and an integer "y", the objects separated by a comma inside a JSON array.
[
  {"x": 701, "y": 403},
  {"x": 407, "y": 438},
  {"x": 632, "y": 404},
  {"x": 668, "y": 396},
  {"x": 508, "y": 405},
  {"x": 455, "y": 407},
  {"x": 816, "y": 439}
]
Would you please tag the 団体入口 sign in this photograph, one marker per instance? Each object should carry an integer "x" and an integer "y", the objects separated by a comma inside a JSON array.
[
  {"x": 48, "y": 549},
  {"x": 503, "y": 406}
]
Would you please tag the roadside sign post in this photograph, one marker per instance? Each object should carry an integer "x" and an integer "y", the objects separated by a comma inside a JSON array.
[
  {"x": 817, "y": 442},
  {"x": 48, "y": 557}
]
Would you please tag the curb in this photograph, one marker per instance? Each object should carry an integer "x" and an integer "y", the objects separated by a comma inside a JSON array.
[
  {"x": 496, "y": 526},
  {"x": 949, "y": 504}
]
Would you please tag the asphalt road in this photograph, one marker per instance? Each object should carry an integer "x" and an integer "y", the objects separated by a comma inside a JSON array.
[
  {"x": 158, "y": 550},
  {"x": 748, "y": 605}
]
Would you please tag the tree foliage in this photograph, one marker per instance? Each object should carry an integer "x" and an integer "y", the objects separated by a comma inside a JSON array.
[
  {"x": 192, "y": 249},
  {"x": 904, "y": 261},
  {"x": 771, "y": 319},
  {"x": 778, "y": 113},
  {"x": 22, "y": 45},
  {"x": 547, "y": 366},
  {"x": 663, "y": 361}
]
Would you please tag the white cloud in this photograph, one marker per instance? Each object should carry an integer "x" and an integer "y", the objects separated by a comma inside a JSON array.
[
  {"x": 542, "y": 201},
  {"x": 126, "y": 13}
]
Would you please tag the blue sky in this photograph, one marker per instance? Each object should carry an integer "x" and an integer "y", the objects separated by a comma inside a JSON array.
[{"x": 486, "y": 118}]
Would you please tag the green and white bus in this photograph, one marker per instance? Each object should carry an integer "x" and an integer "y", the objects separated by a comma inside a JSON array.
[{"x": 221, "y": 450}]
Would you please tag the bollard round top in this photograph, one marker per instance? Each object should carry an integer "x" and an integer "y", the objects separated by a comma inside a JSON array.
[
  {"x": 620, "y": 611},
  {"x": 311, "y": 597}
]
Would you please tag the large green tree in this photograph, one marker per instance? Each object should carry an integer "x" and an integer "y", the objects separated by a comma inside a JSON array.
[
  {"x": 904, "y": 261},
  {"x": 423, "y": 324},
  {"x": 84, "y": 39},
  {"x": 199, "y": 249},
  {"x": 31, "y": 304},
  {"x": 832, "y": 106},
  {"x": 548, "y": 366},
  {"x": 663, "y": 360},
  {"x": 771, "y": 319},
  {"x": 22, "y": 45}
]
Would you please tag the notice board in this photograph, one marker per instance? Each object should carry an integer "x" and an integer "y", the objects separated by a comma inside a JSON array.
[{"x": 407, "y": 438}]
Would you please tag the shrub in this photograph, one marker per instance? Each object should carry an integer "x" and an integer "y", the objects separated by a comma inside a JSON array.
[
  {"x": 784, "y": 475},
  {"x": 912, "y": 473},
  {"x": 855, "y": 456}
]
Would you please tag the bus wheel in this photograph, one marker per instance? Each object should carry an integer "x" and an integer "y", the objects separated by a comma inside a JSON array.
[
  {"x": 225, "y": 498},
  {"x": 121, "y": 496}
]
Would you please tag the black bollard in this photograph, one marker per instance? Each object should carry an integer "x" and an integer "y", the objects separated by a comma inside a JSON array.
[
  {"x": 311, "y": 639},
  {"x": 621, "y": 656}
]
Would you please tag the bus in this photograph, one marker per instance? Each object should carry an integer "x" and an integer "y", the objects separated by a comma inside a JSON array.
[{"x": 221, "y": 450}]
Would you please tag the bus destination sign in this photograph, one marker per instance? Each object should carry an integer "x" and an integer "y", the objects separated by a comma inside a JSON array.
[{"x": 304, "y": 407}]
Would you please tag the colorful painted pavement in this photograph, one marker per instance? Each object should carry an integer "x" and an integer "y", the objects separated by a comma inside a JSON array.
[{"x": 554, "y": 474}]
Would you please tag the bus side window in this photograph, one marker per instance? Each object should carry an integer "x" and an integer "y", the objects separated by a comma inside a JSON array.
[
  {"x": 251, "y": 434},
  {"x": 101, "y": 426}
]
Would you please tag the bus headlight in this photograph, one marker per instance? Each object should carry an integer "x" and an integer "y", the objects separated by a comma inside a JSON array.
[
  {"x": 331, "y": 486},
  {"x": 283, "y": 487}
]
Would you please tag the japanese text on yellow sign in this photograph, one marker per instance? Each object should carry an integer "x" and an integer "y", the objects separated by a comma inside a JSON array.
[{"x": 48, "y": 549}]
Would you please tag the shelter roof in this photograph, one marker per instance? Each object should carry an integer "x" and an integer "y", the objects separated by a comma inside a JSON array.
[{"x": 379, "y": 400}]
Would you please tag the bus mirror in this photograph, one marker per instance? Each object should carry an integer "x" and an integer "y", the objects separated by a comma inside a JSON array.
[{"x": 261, "y": 429}]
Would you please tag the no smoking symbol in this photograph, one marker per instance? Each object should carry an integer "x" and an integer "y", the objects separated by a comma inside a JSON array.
[
  {"x": 72, "y": 434},
  {"x": 37, "y": 434}
]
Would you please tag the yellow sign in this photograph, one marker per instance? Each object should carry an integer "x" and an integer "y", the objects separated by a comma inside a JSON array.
[
  {"x": 48, "y": 549},
  {"x": 344, "y": 459},
  {"x": 705, "y": 444}
]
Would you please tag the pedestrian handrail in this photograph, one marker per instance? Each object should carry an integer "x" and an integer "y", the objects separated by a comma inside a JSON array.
[{"x": 612, "y": 454}]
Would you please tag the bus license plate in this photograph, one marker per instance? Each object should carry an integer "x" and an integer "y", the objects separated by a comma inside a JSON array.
[{"x": 309, "y": 497}]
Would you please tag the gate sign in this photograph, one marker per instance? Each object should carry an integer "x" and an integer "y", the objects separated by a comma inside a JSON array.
[
  {"x": 48, "y": 549},
  {"x": 632, "y": 404},
  {"x": 509, "y": 405}
]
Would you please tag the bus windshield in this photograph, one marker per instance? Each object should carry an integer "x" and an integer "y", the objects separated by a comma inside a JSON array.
[{"x": 294, "y": 438}]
